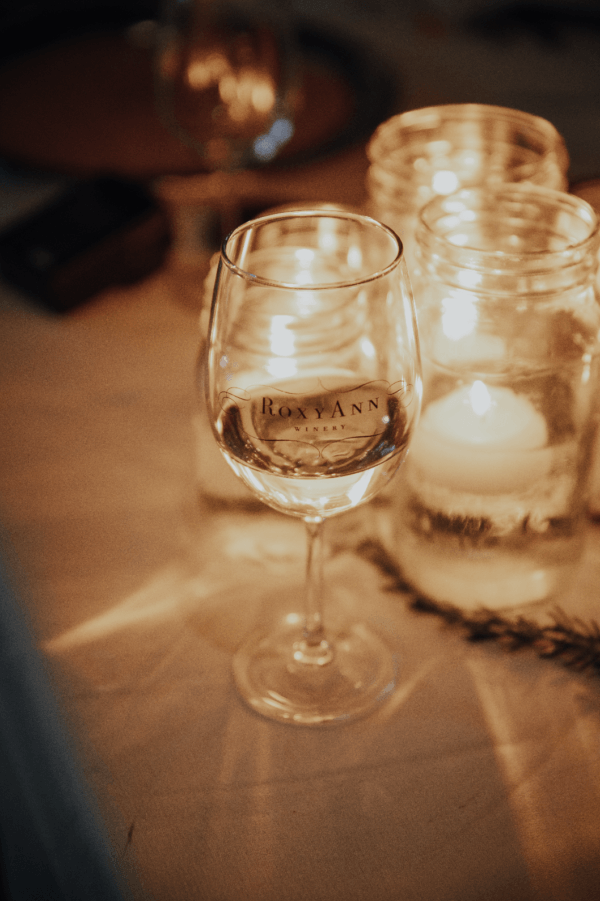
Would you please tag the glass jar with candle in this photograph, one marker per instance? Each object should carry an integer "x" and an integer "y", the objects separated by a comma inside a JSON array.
[
  {"x": 491, "y": 503},
  {"x": 438, "y": 150}
]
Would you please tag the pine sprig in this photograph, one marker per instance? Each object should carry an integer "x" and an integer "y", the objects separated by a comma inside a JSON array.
[{"x": 570, "y": 640}]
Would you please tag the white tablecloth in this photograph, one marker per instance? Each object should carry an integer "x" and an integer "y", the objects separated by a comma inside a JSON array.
[{"x": 479, "y": 780}]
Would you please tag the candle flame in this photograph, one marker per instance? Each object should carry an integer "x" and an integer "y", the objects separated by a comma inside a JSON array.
[{"x": 480, "y": 398}]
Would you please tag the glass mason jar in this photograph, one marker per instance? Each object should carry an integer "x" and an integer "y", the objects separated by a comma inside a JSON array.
[
  {"x": 438, "y": 150},
  {"x": 490, "y": 506}
]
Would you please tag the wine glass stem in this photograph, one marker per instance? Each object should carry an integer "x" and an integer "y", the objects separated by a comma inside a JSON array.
[{"x": 314, "y": 649}]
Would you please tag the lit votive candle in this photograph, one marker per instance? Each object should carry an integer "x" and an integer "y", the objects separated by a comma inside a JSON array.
[{"x": 482, "y": 440}]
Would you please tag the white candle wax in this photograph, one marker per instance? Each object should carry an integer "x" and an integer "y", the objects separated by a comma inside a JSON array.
[{"x": 482, "y": 440}]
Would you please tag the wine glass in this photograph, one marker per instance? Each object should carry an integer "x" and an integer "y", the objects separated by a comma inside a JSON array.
[
  {"x": 224, "y": 78},
  {"x": 313, "y": 389}
]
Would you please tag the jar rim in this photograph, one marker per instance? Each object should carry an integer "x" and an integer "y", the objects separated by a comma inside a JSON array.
[
  {"x": 491, "y": 199},
  {"x": 313, "y": 213},
  {"x": 412, "y": 121}
]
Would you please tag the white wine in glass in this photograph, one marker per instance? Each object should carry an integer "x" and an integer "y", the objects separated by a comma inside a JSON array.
[{"x": 313, "y": 390}]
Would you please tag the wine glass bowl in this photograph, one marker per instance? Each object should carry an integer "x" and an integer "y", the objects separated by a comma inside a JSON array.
[
  {"x": 313, "y": 389},
  {"x": 224, "y": 79}
]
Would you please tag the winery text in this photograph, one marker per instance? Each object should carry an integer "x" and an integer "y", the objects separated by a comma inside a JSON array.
[{"x": 272, "y": 408}]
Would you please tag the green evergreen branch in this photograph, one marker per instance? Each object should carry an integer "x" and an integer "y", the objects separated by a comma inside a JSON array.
[{"x": 570, "y": 640}]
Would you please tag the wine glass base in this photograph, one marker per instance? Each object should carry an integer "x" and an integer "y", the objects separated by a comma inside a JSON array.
[{"x": 360, "y": 676}]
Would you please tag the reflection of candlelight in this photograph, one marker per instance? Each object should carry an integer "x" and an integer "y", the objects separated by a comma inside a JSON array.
[
  {"x": 282, "y": 342},
  {"x": 482, "y": 439},
  {"x": 444, "y": 182},
  {"x": 459, "y": 338}
]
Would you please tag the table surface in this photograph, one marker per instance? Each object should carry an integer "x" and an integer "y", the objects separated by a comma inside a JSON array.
[{"x": 478, "y": 779}]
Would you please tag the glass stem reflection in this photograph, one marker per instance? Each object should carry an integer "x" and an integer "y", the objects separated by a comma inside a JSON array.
[{"x": 314, "y": 649}]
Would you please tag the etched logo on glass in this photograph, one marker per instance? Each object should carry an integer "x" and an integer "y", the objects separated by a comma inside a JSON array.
[{"x": 302, "y": 430}]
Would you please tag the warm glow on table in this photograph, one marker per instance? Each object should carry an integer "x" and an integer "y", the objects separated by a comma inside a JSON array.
[{"x": 140, "y": 595}]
